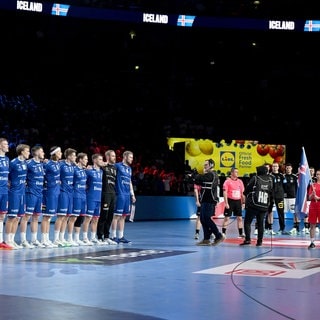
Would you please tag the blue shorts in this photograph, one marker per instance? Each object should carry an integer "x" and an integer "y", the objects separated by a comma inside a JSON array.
[
  {"x": 123, "y": 205},
  {"x": 50, "y": 204},
  {"x": 3, "y": 203},
  {"x": 65, "y": 203},
  {"x": 33, "y": 204},
  {"x": 93, "y": 208},
  {"x": 17, "y": 205},
  {"x": 79, "y": 206}
]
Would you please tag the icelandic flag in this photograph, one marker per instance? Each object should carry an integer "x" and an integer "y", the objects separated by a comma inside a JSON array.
[
  {"x": 185, "y": 21},
  {"x": 60, "y": 9},
  {"x": 304, "y": 180},
  {"x": 312, "y": 26}
]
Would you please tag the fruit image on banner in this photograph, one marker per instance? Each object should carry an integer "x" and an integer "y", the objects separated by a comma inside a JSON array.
[{"x": 245, "y": 155}]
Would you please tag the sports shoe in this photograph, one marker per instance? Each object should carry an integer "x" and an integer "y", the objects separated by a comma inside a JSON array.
[
  {"x": 15, "y": 245},
  {"x": 87, "y": 242},
  {"x": 109, "y": 241},
  {"x": 293, "y": 231},
  {"x": 5, "y": 246},
  {"x": 317, "y": 229},
  {"x": 303, "y": 229},
  {"x": 283, "y": 232},
  {"x": 102, "y": 242},
  {"x": 196, "y": 236},
  {"x": 212, "y": 237},
  {"x": 49, "y": 244},
  {"x": 255, "y": 232},
  {"x": 97, "y": 242},
  {"x": 307, "y": 231},
  {"x": 59, "y": 243},
  {"x": 115, "y": 240},
  {"x": 124, "y": 240},
  {"x": 204, "y": 243},
  {"x": 259, "y": 244},
  {"x": 74, "y": 243},
  {"x": 245, "y": 243},
  {"x": 312, "y": 245},
  {"x": 66, "y": 244},
  {"x": 219, "y": 240},
  {"x": 81, "y": 243},
  {"x": 27, "y": 245},
  {"x": 241, "y": 236},
  {"x": 38, "y": 244}
]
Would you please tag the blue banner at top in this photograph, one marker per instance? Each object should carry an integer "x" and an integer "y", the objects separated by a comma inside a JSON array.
[{"x": 154, "y": 18}]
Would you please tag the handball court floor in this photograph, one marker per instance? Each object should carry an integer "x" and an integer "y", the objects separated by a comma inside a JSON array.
[{"x": 162, "y": 274}]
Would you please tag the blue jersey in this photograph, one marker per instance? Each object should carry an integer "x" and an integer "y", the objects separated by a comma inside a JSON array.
[
  {"x": 79, "y": 182},
  {"x": 4, "y": 173},
  {"x": 35, "y": 177},
  {"x": 66, "y": 176},
  {"x": 52, "y": 175},
  {"x": 17, "y": 176},
  {"x": 94, "y": 184},
  {"x": 123, "y": 179},
  {"x": 51, "y": 189}
]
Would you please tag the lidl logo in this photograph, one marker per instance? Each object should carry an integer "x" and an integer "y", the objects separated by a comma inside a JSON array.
[{"x": 227, "y": 159}]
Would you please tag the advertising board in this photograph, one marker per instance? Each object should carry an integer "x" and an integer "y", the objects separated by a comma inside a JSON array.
[{"x": 245, "y": 155}]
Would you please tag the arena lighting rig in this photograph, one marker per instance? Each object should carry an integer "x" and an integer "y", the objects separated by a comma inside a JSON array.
[{"x": 179, "y": 20}]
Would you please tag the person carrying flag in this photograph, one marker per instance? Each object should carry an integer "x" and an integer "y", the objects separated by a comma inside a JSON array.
[
  {"x": 306, "y": 224},
  {"x": 314, "y": 208}
]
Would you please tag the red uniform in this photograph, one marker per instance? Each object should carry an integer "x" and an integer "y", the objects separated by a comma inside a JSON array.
[{"x": 314, "y": 208}]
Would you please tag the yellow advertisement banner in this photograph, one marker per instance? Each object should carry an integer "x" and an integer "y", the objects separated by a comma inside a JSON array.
[{"x": 245, "y": 155}]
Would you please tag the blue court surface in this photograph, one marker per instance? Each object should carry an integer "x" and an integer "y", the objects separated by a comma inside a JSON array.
[{"x": 162, "y": 274}]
